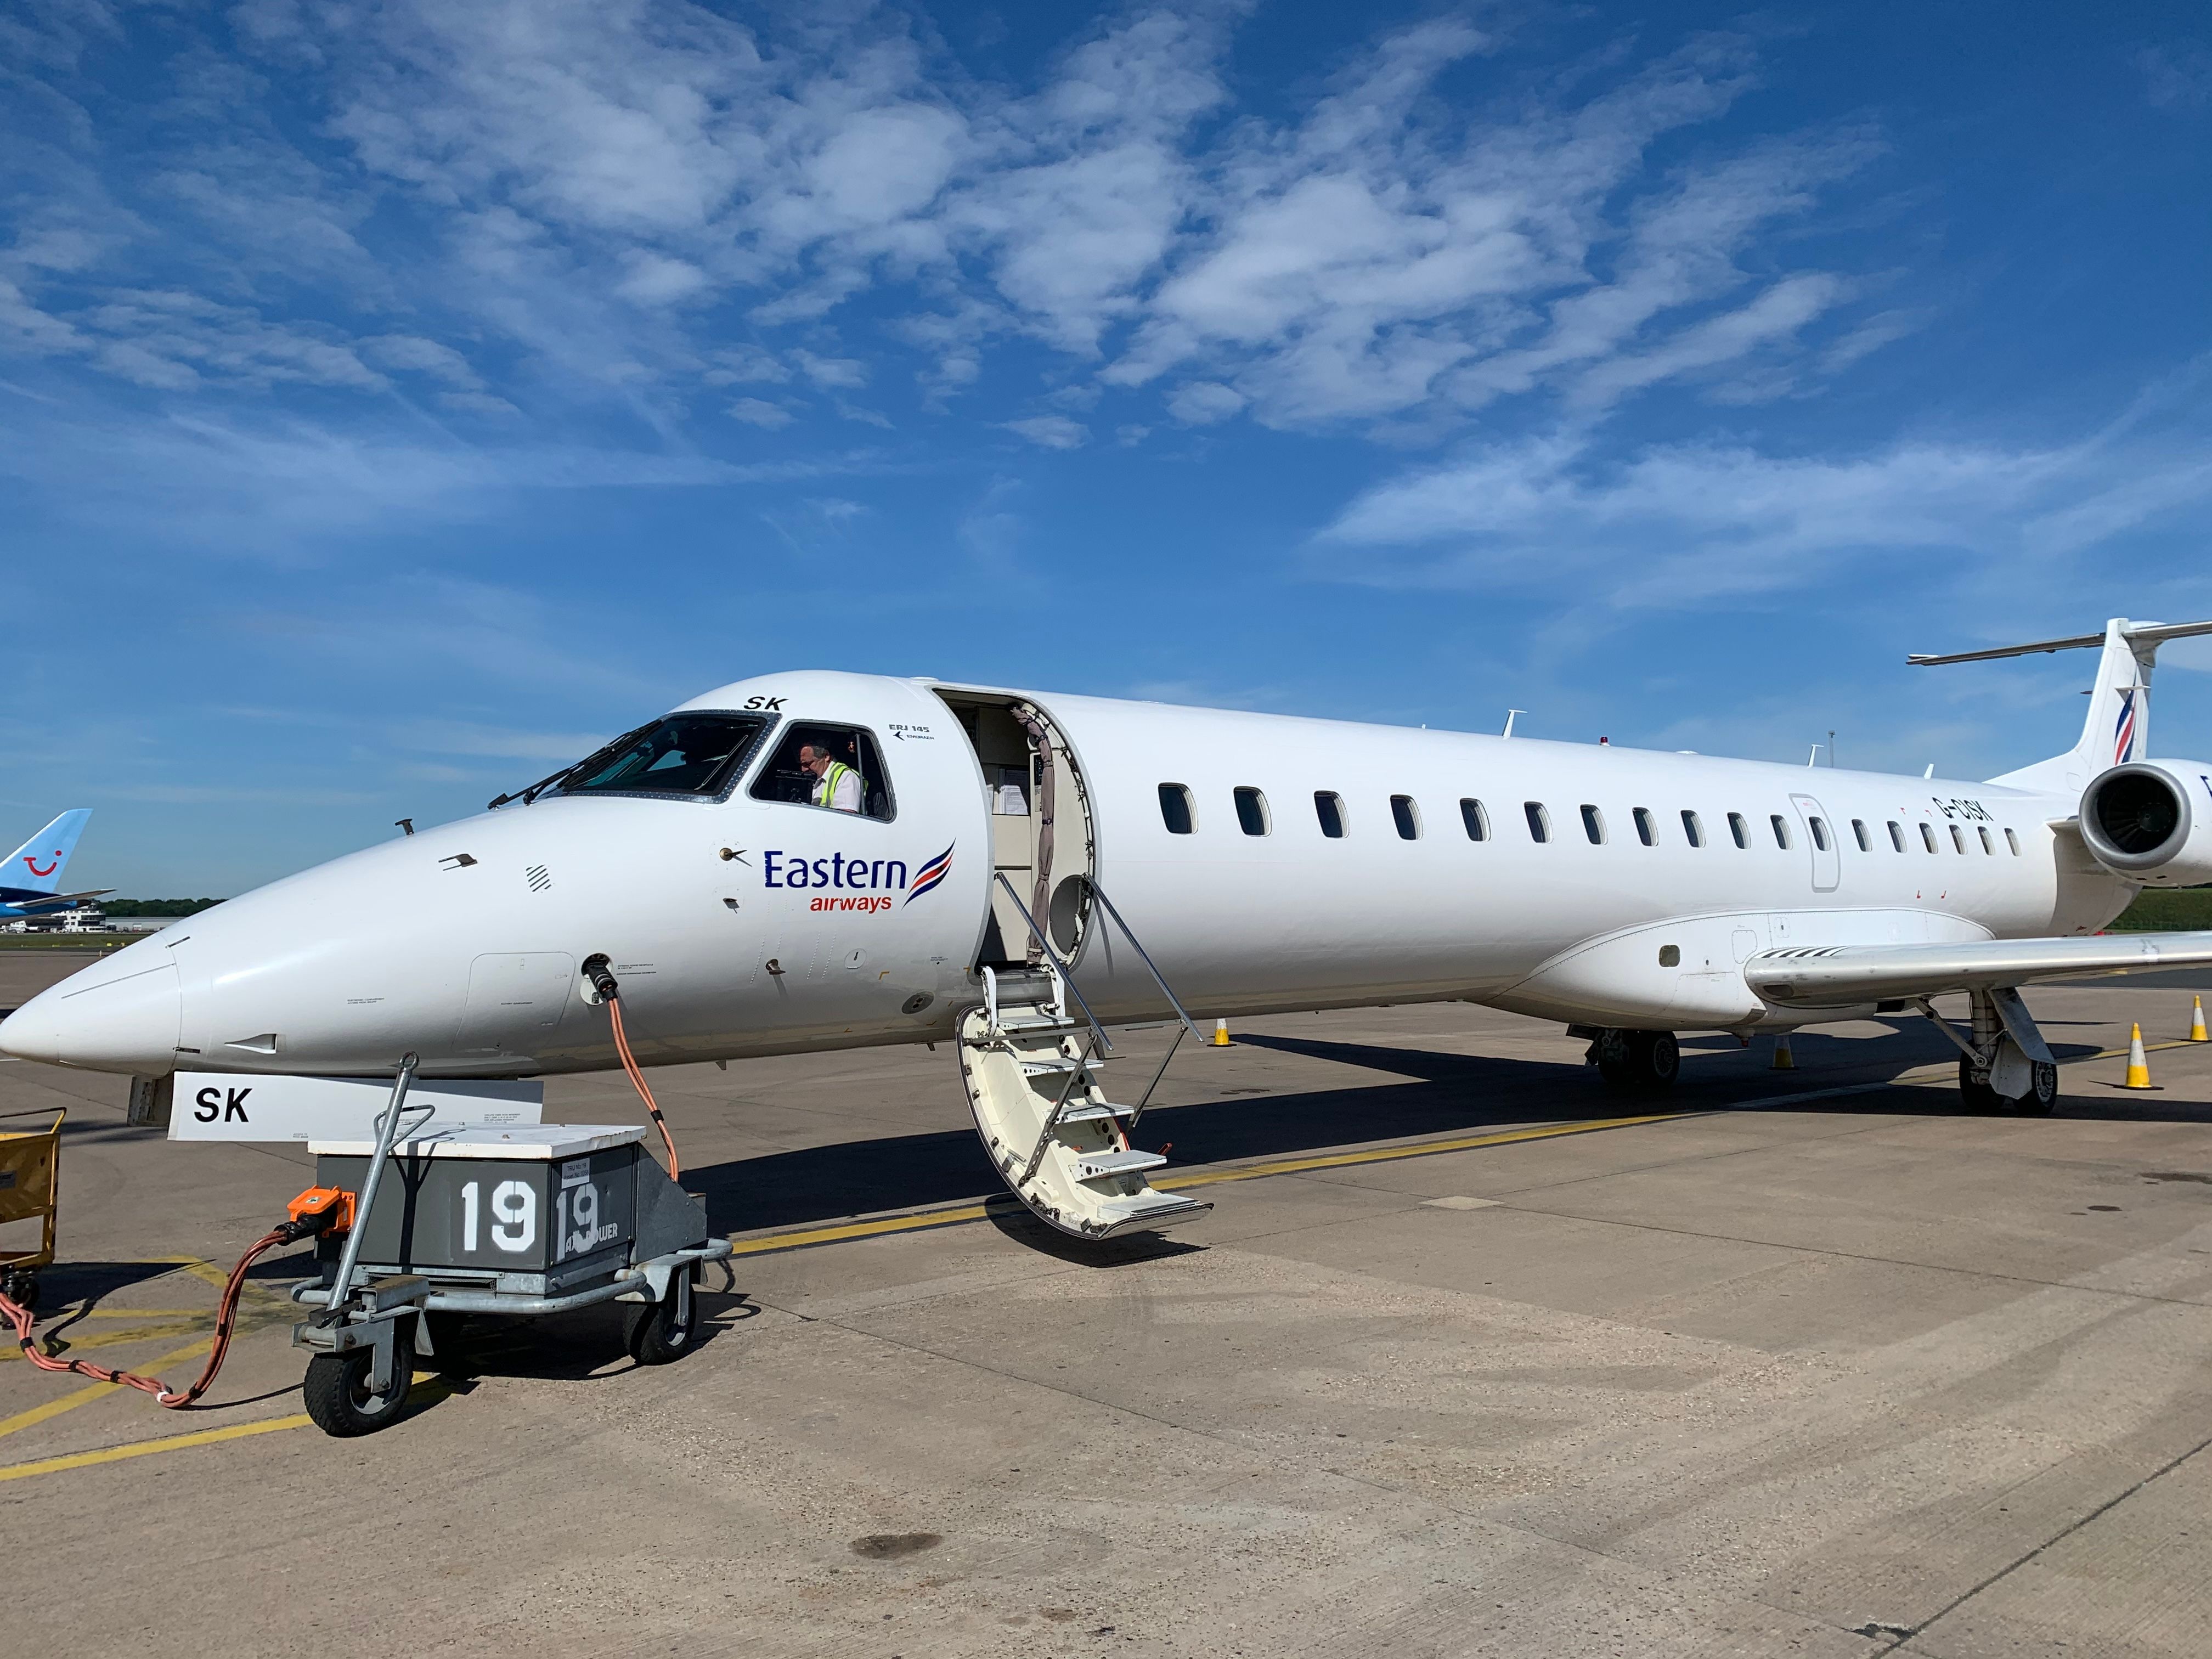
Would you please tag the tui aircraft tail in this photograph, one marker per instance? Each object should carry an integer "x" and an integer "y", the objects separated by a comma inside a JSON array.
[
  {"x": 34, "y": 869},
  {"x": 2117, "y": 726}
]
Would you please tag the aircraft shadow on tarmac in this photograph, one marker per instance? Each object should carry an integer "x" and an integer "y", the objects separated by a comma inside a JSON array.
[{"x": 1452, "y": 1094}]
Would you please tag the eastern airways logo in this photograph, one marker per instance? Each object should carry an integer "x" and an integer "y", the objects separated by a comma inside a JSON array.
[{"x": 867, "y": 884}]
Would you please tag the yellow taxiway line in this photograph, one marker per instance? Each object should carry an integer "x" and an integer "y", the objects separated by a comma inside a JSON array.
[
  {"x": 86, "y": 1396},
  {"x": 919, "y": 1220},
  {"x": 148, "y": 1447}
]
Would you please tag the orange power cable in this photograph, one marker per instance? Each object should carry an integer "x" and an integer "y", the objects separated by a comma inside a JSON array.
[
  {"x": 225, "y": 1321},
  {"x": 637, "y": 1081}
]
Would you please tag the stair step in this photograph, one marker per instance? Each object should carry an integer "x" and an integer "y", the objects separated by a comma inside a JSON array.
[
  {"x": 1102, "y": 1112},
  {"x": 1098, "y": 1166},
  {"x": 1059, "y": 1065},
  {"x": 1030, "y": 1028}
]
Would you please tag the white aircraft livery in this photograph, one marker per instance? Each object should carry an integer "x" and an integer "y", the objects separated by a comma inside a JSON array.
[{"x": 819, "y": 860}]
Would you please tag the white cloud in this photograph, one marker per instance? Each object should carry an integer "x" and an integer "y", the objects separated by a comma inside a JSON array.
[
  {"x": 1050, "y": 431},
  {"x": 584, "y": 193},
  {"x": 1204, "y": 402},
  {"x": 412, "y": 351},
  {"x": 754, "y": 412},
  {"x": 1675, "y": 525},
  {"x": 846, "y": 372}
]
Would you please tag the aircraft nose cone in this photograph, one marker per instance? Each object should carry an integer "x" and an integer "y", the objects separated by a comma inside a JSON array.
[{"x": 125, "y": 1024}]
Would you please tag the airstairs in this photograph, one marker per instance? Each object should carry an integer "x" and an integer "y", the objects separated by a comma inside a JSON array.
[{"x": 1031, "y": 1057}]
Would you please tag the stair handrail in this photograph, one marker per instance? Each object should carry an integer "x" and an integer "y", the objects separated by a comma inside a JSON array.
[
  {"x": 1067, "y": 973},
  {"x": 1143, "y": 956}
]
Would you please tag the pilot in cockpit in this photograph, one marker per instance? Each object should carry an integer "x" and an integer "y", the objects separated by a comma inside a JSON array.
[{"x": 837, "y": 785}]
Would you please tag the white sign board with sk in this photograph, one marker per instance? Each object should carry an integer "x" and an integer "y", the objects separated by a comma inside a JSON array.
[{"x": 240, "y": 1106}]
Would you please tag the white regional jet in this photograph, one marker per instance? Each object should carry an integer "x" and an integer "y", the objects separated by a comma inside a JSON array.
[{"x": 1253, "y": 863}]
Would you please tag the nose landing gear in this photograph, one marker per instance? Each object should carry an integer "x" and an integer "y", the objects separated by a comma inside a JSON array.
[{"x": 1648, "y": 1062}]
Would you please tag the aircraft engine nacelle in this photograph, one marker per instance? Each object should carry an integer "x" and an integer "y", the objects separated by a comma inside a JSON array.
[{"x": 2151, "y": 822}]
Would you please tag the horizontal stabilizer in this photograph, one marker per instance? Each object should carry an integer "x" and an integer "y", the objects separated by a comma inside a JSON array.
[
  {"x": 2144, "y": 634},
  {"x": 1841, "y": 976},
  {"x": 28, "y": 904}
]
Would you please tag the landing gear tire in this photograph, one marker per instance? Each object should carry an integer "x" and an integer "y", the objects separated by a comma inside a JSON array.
[
  {"x": 662, "y": 1332},
  {"x": 2042, "y": 1094},
  {"x": 1645, "y": 1060},
  {"x": 339, "y": 1396},
  {"x": 1616, "y": 1062},
  {"x": 1975, "y": 1093},
  {"x": 1657, "y": 1058}
]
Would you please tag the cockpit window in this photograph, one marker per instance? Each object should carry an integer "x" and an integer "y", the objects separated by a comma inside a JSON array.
[
  {"x": 836, "y": 766},
  {"x": 696, "y": 755}
]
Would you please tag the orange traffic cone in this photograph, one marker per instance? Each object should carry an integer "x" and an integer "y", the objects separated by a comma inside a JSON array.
[
  {"x": 2138, "y": 1067},
  {"x": 2197, "y": 1031},
  {"x": 1783, "y": 1060}
]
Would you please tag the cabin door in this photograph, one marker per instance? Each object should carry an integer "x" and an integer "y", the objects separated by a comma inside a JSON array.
[{"x": 1819, "y": 832}]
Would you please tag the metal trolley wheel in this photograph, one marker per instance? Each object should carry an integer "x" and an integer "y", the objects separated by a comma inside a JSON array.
[
  {"x": 340, "y": 1398},
  {"x": 658, "y": 1333}
]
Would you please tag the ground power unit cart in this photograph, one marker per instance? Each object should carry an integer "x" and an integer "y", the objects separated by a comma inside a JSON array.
[{"x": 439, "y": 1222}]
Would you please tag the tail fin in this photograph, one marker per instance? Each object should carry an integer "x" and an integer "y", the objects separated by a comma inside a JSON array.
[
  {"x": 35, "y": 868},
  {"x": 2117, "y": 725}
]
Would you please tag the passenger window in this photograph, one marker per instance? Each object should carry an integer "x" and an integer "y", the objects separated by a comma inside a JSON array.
[
  {"x": 1988, "y": 846},
  {"x": 1958, "y": 840},
  {"x": 1736, "y": 829},
  {"x": 1896, "y": 836},
  {"x": 1692, "y": 828},
  {"x": 1859, "y": 834},
  {"x": 836, "y": 766},
  {"x": 1594, "y": 824},
  {"x": 1477, "y": 820},
  {"x": 2013, "y": 841},
  {"x": 1252, "y": 812},
  {"x": 1781, "y": 830},
  {"x": 1329, "y": 809},
  {"x": 1175, "y": 811},
  {"x": 1927, "y": 837},
  {"x": 1540, "y": 821},
  {"x": 1820, "y": 834},
  {"x": 1643, "y": 825},
  {"x": 1402, "y": 815}
]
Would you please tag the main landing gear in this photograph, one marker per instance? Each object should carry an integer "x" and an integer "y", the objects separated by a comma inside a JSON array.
[
  {"x": 2004, "y": 1065},
  {"x": 1645, "y": 1060}
]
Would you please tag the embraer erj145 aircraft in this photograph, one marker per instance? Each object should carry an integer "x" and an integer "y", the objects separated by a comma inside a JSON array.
[{"x": 824, "y": 860}]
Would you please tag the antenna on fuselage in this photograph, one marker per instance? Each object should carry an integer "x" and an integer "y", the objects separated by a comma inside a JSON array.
[
  {"x": 1814, "y": 759},
  {"x": 1930, "y": 772},
  {"x": 1510, "y": 713}
]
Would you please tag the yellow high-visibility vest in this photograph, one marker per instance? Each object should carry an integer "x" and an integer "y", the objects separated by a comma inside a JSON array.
[{"x": 825, "y": 794}]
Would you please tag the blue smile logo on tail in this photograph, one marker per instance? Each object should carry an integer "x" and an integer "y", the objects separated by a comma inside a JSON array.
[{"x": 931, "y": 874}]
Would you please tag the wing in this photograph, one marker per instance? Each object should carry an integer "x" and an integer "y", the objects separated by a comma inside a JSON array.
[{"x": 1838, "y": 976}]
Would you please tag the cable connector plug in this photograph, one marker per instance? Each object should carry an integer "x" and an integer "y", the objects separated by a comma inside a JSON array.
[
  {"x": 318, "y": 1210},
  {"x": 600, "y": 972}
]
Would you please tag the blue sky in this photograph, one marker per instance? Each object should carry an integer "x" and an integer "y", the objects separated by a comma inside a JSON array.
[{"x": 397, "y": 399}]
